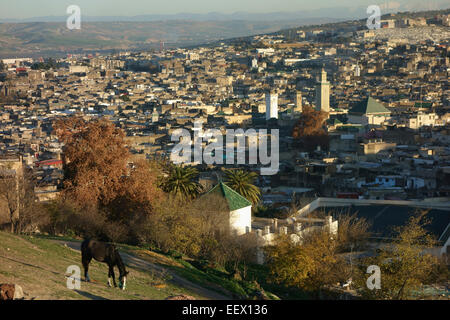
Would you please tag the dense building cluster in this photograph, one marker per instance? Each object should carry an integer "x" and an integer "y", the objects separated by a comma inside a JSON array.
[{"x": 387, "y": 101}]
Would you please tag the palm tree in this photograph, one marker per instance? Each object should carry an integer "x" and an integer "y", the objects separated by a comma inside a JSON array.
[
  {"x": 181, "y": 182},
  {"x": 242, "y": 182}
]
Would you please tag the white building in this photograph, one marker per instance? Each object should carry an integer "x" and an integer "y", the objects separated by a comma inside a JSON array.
[
  {"x": 194, "y": 56},
  {"x": 323, "y": 93},
  {"x": 296, "y": 232},
  {"x": 357, "y": 71},
  {"x": 291, "y": 61},
  {"x": 78, "y": 69},
  {"x": 369, "y": 112},
  {"x": 17, "y": 61},
  {"x": 422, "y": 120},
  {"x": 155, "y": 116},
  {"x": 265, "y": 51},
  {"x": 415, "y": 183},
  {"x": 271, "y": 105},
  {"x": 387, "y": 181},
  {"x": 240, "y": 209},
  {"x": 298, "y": 102},
  {"x": 254, "y": 63},
  {"x": 388, "y": 24}
]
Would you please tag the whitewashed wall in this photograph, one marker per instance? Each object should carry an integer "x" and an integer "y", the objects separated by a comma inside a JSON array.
[{"x": 241, "y": 219}]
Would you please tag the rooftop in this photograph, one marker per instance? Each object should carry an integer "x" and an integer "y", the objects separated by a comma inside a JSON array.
[
  {"x": 234, "y": 200},
  {"x": 369, "y": 106}
]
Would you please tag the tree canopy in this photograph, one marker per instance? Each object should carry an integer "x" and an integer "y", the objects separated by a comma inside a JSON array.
[
  {"x": 181, "y": 182},
  {"x": 311, "y": 266},
  {"x": 309, "y": 131},
  {"x": 243, "y": 183},
  {"x": 99, "y": 172},
  {"x": 405, "y": 264},
  {"x": 95, "y": 159}
]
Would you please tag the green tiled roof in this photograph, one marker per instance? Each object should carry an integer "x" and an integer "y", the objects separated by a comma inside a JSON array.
[
  {"x": 368, "y": 106},
  {"x": 423, "y": 105},
  {"x": 234, "y": 200}
]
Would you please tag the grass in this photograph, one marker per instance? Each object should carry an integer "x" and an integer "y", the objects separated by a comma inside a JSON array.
[
  {"x": 216, "y": 279},
  {"x": 200, "y": 273},
  {"x": 216, "y": 283},
  {"x": 221, "y": 281},
  {"x": 39, "y": 265},
  {"x": 213, "y": 279}
]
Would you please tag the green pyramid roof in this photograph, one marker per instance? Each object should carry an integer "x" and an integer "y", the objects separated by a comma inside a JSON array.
[
  {"x": 369, "y": 106},
  {"x": 234, "y": 200}
]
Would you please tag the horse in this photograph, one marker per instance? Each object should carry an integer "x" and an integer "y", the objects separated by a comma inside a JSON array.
[{"x": 107, "y": 253}]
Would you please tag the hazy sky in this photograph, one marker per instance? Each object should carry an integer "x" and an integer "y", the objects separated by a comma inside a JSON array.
[{"x": 19, "y": 9}]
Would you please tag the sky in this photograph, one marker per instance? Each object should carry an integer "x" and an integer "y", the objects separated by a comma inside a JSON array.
[{"x": 20, "y": 9}]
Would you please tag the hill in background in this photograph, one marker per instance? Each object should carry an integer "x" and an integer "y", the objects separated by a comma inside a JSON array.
[{"x": 37, "y": 39}]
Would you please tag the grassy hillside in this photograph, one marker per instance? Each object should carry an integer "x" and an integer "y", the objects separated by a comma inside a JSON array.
[{"x": 39, "y": 266}]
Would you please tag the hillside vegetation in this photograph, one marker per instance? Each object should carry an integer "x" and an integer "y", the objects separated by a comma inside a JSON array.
[{"x": 39, "y": 266}]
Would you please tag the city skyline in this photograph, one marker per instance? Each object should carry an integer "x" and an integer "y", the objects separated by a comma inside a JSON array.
[{"x": 244, "y": 157}]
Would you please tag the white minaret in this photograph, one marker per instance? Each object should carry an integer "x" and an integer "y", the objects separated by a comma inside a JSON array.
[
  {"x": 357, "y": 71},
  {"x": 271, "y": 105},
  {"x": 298, "y": 101},
  {"x": 155, "y": 116},
  {"x": 323, "y": 92},
  {"x": 254, "y": 63}
]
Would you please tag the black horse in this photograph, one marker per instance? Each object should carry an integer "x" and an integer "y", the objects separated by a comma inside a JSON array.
[{"x": 107, "y": 253}]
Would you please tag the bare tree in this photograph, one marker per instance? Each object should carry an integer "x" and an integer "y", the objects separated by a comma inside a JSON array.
[
  {"x": 9, "y": 195},
  {"x": 17, "y": 194}
]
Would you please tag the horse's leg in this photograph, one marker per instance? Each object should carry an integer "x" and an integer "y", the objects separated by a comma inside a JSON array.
[
  {"x": 111, "y": 273},
  {"x": 86, "y": 260}
]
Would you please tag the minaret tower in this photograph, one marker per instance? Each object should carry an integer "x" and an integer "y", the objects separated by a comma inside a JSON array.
[
  {"x": 271, "y": 105},
  {"x": 323, "y": 92},
  {"x": 298, "y": 101}
]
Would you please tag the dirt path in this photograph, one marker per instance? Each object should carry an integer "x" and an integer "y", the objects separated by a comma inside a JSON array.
[{"x": 135, "y": 262}]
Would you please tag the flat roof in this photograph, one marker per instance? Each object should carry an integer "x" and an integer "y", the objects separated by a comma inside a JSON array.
[{"x": 384, "y": 218}]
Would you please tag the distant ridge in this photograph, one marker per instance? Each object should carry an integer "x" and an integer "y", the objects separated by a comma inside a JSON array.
[{"x": 332, "y": 13}]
